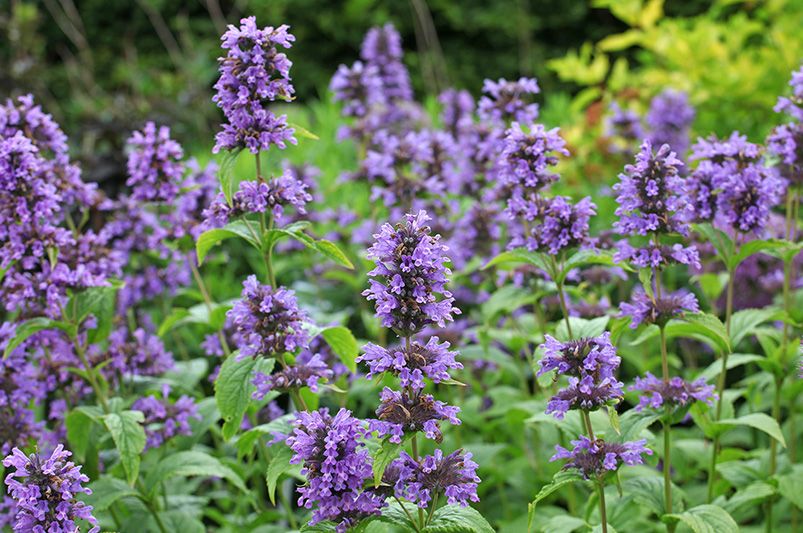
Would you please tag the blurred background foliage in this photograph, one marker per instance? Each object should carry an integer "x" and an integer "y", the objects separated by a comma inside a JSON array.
[{"x": 102, "y": 67}]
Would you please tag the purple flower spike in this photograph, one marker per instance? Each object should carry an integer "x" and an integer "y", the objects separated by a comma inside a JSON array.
[
  {"x": 382, "y": 49},
  {"x": 454, "y": 475},
  {"x": 594, "y": 458},
  {"x": 793, "y": 104},
  {"x": 676, "y": 392},
  {"x": 337, "y": 467},
  {"x": 267, "y": 321},
  {"x": 669, "y": 120},
  {"x": 155, "y": 171},
  {"x": 505, "y": 101},
  {"x": 403, "y": 412},
  {"x": 432, "y": 360},
  {"x": 581, "y": 356},
  {"x": 410, "y": 273},
  {"x": 585, "y": 393},
  {"x": 165, "y": 420},
  {"x": 45, "y": 491},
  {"x": 293, "y": 377},
  {"x": 645, "y": 310},
  {"x": 359, "y": 87}
]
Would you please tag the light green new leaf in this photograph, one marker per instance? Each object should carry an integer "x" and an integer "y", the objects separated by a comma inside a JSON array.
[{"x": 129, "y": 439}]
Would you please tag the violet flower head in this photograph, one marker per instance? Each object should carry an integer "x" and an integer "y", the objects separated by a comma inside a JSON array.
[
  {"x": 563, "y": 225},
  {"x": 643, "y": 309},
  {"x": 457, "y": 111},
  {"x": 254, "y": 73},
  {"x": 786, "y": 143},
  {"x": 587, "y": 392},
  {"x": 588, "y": 355},
  {"x": 165, "y": 419},
  {"x": 701, "y": 191},
  {"x": 527, "y": 157},
  {"x": 382, "y": 49},
  {"x": 504, "y": 101},
  {"x": 748, "y": 196},
  {"x": 793, "y": 104},
  {"x": 410, "y": 412},
  {"x": 155, "y": 170},
  {"x": 669, "y": 120},
  {"x": 337, "y": 467},
  {"x": 267, "y": 321},
  {"x": 655, "y": 393},
  {"x": 359, "y": 87},
  {"x": 45, "y": 491},
  {"x": 410, "y": 276},
  {"x": 412, "y": 364},
  {"x": 453, "y": 475},
  {"x": 27, "y": 196},
  {"x": 137, "y": 353},
  {"x": 594, "y": 458},
  {"x": 293, "y": 377}
]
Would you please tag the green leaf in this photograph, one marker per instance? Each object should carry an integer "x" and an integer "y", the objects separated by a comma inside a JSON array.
[
  {"x": 228, "y": 182},
  {"x": 645, "y": 277},
  {"x": 722, "y": 243},
  {"x": 649, "y": 492},
  {"x": 582, "y": 327},
  {"x": 563, "y": 477},
  {"x": 343, "y": 343},
  {"x": 759, "y": 421},
  {"x": 92, "y": 301},
  {"x": 702, "y": 326},
  {"x": 330, "y": 250},
  {"x": 521, "y": 255},
  {"x": 24, "y": 330},
  {"x": 180, "y": 520},
  {"x": 755, "y": 246},
  {"x": 584, "y": 258},
  {"x": 106, "y": 491},
  {"x": 457, "y": 519},
  {"x": 246, "y": 441},
  {"x": 791, "y": 486},
  {"x": 707, "y": 519},
  {"x": 189, "y": 464},
  {"x": 752, "y": 495},
  {"x": 745, "y": 322},
  {"x": 79, "y": 430},
  {"x": 129, "y": 439},
  {"x": 504, "y": 300},
  {"x": 303, "y": 132},
  {"x": 712, "y": 284},
  {"x": 211, "y": 238},
  {"x": 233, "y": 389},
  {"x": 279, "y": 464},
  {"x": 566, "y": 524},
  {"x": 383, "y": 456},
  {"x": 633, "y": 423},
  {"x": 734, "y": 360}
]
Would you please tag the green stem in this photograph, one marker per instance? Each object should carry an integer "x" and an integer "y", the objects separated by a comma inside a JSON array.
[
  {"x": 664, "y": 355},
  {"x": 414, "y": 443},
  {"x": 90, "y": 374},
  {"x": 409, "y": 516},
  {"x": 776, "y": 414},
  {"x": 199, "y": 280},
  {"x": 667, "y": 471},
  {"x": 600, "y": 485},
  {"x": 561, "y": 294}
]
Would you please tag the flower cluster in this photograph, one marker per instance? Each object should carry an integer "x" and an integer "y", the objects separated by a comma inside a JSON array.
[
  {"x": 676, "y": 392},
  {"x": 793, "y": 104},
  {"x": 155, "y": 171},
  {"x": 669, "y": 120},
  {"x": 382, "y": 50},
  {"x": 412, "y": 363},
  {"x": 454, "y": 475},
  {"x": 409, "y": 276},
  {"x": 267, "y": 321},
  {"x": 45, "y": 491},
  {"x": 594, "y": 458},
  {"x": 303, "y": 373},
  {"x": 646, "y": 309},
  {"x": 336, "y": 465},
  {"x": 165, "y": 420},
  {"x": 253, "y": 74},
  {"x": 410, "y": 411},
  {"x": 505, "y": 101}
]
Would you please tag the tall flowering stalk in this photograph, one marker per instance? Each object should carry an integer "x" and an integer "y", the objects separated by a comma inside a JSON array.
[
  {"x": 590, "y": 364},
  {"x": 408, "y": 287}
]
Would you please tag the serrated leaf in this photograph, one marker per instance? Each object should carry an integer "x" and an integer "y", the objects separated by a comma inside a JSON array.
[
  {"x": 330, "y": 250},
  {"x": 562, "y": 478},
  {"x": 211, "y": 238},
  {"x": 722, "y": 243},
  {"x": 707, "y": 519},
  {"x": 106, "y": 491},
  {"x": 759, "y": 421},
  {"x": 752, "y": 495},
  {"x": 129, "y": 439},
  {"x": 191, "y": 464},
  {"x": 383, "y": 456},
  {"x": 343, "y": 344},
  {"x": 745, "y": 322},
  {"x": 585, "y": 258},
  {"x": 457, "y": 519},
  {"x": 278, "y": 466},
  {"x": 756, "y": 246},
  {"x": 649, "y": 491},
  {"x": 582, "y": 327},
  {"x": 233, "y": 389}
]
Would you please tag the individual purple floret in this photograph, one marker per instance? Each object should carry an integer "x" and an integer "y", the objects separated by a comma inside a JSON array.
[
  {"x": 505, "y": 101},
  {"x": 403, "y": 412},
  {"x": 359, "y": 87},
  {"x": 676, "y": 392},
  {"x": 409, "y": 276},
  {"x": 382, "y": 49},
  {"x": 252, "y": 74},
  {"x": 453, "y": 475},
  {"x": 585, "y": 393},
  {"x": 588, "y": 355},
  {"x": 293, "y": 377},
  {"x": 45, "y": 491},
  {"x": 155, "y": 170},
  {"x": 645, "y": 310},
  {"x": 594, "y": 458},
  {"x": 267, "y": 321},
  {"x": 412, "y": 364},
  {"x": 669, "y": 120},
  {"x": 793, "y": 104},
  {"x": 165, "y": 420},
  {"x": 336, "y": 465}
]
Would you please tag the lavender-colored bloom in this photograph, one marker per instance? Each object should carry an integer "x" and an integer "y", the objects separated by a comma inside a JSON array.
[
  {"x": 457, "y": 111},
  {"x": 585, "y": 393},
  {"x": 359, "y": 87},
  {"x": 165, "y": 420},
  {"x": 588, "y": 355},
  {"x": 382, "y": 49},
  {"x": 267, "y": 321},
  {"x": 701, "y": 191},
  {"x": 200, "y": 190},
  {"x": 676, "y": 392},
  {"x": 336, "y": 465},
  {"x": 136, "y": 353},
  {"x": 476, "y": 235},
  {"x": 412, "y": 364},
  {"x": 409, "y": 275},
  {"x": 454, "y": 475},
  {"x": 403, "y": 412},
  {"x": 646, "y": 310},
  {"x": 653, "y": 255},
  {"x": 748, "y": 196},
  {"x": 625, "y": 126},
  {"x": 505, "y": 101},
  {"x": 155, "y": 171},
  {"x": 786, "y": 143},
  {"x": 793, "y": 105},
  {"x": 293, "y": 377},
  {"x": 252, "y": 74},
  {"x": 594, "y": 458},
  {"x": 669, "y": 120},
  {"x": 45, "y": 490},
  {"x": 527, "y": 157},
  {"x": 563, "y": 225}
]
